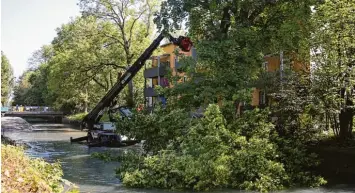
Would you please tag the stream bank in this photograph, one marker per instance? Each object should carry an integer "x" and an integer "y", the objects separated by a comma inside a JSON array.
[{"x": 23, "y": 173}]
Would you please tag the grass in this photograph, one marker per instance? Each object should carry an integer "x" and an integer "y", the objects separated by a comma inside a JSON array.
[
  {"x": 80, "y": 117},
  {"x": 77, "y": 117}
]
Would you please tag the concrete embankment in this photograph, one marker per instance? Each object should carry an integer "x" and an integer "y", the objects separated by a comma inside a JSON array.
[
  {"x": 14, "y": 123},
  {"x": 9, "y": 124}
]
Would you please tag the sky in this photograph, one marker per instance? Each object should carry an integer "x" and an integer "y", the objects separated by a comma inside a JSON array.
[{"x": 26, "y": 25}]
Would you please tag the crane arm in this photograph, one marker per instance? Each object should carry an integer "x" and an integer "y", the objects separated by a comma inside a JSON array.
[{"x": 90, "y": 119}]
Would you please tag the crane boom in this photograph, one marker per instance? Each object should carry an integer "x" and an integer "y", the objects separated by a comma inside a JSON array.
[{"x": 92, "y": 117}]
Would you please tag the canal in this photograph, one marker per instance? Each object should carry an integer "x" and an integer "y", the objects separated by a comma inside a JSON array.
[{"x": 51, "y": 142}]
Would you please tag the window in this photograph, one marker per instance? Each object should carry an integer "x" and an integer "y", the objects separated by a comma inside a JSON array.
[
  {"x": 265, "y": 66},
  {"x": 262, "y": 98}
]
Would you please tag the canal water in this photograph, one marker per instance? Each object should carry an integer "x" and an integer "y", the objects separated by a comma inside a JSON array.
[{"x": 51, "y": 142}]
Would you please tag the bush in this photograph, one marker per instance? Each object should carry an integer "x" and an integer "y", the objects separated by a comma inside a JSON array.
[
  {"x": 77, "y": 117},
  {"x": 23, "y": 174},
  {"x": 157, "y": 129},
  {"x": 211, "y": 156}
]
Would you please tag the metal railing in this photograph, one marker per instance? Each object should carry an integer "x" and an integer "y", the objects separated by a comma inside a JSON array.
[{"x": 27, "y": 109}]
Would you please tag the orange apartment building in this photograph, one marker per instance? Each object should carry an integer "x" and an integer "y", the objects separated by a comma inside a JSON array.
[
  {"x": 154, "y": 74},
  {"x": 273, "y": 63},
  {"x": 156, "y": 70}
]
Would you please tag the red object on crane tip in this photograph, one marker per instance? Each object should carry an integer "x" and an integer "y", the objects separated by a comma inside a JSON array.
[{"x": 185, "y": 44}]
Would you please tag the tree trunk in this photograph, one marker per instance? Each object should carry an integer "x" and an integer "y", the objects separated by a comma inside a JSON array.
[
  {"x": 130, "y": 99},
  {"x": 346, "y": 118},
  {"x": 86, "y": 100},
  {"x": 346, "y": 124}
]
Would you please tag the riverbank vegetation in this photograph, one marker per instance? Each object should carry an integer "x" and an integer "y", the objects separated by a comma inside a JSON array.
[
  {"x": 20, "y": 173},
  {"x": 234, "y": 145},
  {"x": 77, "y": 117}
]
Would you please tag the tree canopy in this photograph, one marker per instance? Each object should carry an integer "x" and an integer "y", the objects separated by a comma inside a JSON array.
[{"x": 7, "y": 79}]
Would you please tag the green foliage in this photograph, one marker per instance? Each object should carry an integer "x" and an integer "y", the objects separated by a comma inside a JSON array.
[
  {"x": 77, "y": 117},
  {"x": 231, "y": 39},
  {"x": 7, "y": 79},
  {"x": 298, "y": 122},
  {"x": 131, "y": 28},
  {"x": 224, "y": 149},
  {"x": 81, "y": 67},
  {"x": 23, "y": 174},
  {"x": 80, "y": 117},
  {"x": 74, "y": 191},
  {"x": 333, "y": 55},
  {"x": 214, "y": 154},
  {"x": 87, "y": 57},
  {"x": 31, "y": 88},
  {"x": 106, "y": 156},
  {"x": 157, "y": 128}
]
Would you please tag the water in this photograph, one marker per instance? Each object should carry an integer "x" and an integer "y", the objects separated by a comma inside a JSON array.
[{"x": 51, "y": 142}]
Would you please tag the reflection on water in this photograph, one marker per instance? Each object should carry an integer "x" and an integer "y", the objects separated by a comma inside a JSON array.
[{"x": 51, "y": 142}]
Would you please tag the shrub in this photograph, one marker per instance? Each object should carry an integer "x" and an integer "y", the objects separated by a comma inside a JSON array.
[
  {"x": 157, "y": 129},
  {"x": 77, "y": 117},
  {"x": 211, "y": 156},
  {"x": 23, "y": 174}
]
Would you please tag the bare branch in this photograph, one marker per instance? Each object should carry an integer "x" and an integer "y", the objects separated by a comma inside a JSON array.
[
  {"x": 106, "y": 81},
  {"x": 133, "y": 23},
  {"x": 111, "y": 79},
  {"x": 99, "y": 83},
  {"x": 96, "y": 68}
]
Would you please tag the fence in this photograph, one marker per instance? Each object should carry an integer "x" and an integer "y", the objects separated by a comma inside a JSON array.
[{"x": 27, "y": 108}]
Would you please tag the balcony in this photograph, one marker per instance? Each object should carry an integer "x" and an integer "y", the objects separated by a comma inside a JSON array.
[
  {"x": 149, "y": 92},
  {"x": 155, "y": 72}
]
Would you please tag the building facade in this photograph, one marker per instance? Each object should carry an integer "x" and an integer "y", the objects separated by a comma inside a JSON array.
[
  {"x": 277, "y": 62},
  {"x": 156, "y": 70}
]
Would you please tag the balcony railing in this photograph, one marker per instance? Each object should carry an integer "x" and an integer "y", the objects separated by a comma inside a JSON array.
[
  {"x": 149, "y": 92},
  {"x": 155, "y": 72}
]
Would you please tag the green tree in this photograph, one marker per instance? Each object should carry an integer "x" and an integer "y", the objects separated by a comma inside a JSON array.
[
  {"x": 231, "y": 38},
  {"x": 333, "y": 58},
  {"x": 21, "y": 89},
  {"x": 133, "y": 27},
  {"x": 40, "y": 56},
  {"x": 32, "y": 86},
  {"x": 85, "y": 64},
  {"x": 7, "y": 79}
]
